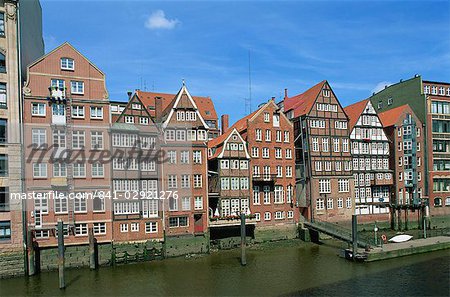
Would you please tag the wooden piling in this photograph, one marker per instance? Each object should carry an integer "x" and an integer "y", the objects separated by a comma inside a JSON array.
[
  {"x": 354, "y": 236},
  {"x": 62, "y": 281},
  {"x": 31, "y": 254},
  {"x": 92, "y": 249},
  {"x": 243, "y": 235}
]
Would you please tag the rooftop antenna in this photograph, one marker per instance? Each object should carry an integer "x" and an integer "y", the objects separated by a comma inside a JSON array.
[{"x": 248, "y": 101}]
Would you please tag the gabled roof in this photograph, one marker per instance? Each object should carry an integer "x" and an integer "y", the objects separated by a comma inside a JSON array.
[
  {"x": 354, "y": 111},
  {"x": 57, "y": 48},
  {"x": 205, "y": 104},
  {"x": 390, "y": 117},
  {"x": 302, "y": 103},
  {"x": 219, "y": 143}
]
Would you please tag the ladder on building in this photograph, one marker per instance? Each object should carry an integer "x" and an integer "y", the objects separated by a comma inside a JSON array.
[{"x": 69, "y": 167}]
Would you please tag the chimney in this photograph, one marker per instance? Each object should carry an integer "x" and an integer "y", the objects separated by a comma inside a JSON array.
[
  {"x": 129, "y": 95},
  {"x": 158, "y": 109},
  {"x": 273, "y": 98},
  {"x": 285, "y": 93},
  {"x": 224, "y": 123}
]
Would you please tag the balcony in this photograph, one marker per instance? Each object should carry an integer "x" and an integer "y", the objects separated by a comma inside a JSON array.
[
  {"x": 232, "y": 220},
  {"x": 381, "y": 182},
  {"x": 264, "y": 178}
]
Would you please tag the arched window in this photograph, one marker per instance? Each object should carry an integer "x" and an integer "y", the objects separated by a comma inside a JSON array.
[
  {"x": 437, "y": 202},
  {"x": 2, "y": 63}
]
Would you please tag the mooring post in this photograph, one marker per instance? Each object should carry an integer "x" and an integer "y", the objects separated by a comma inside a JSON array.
[
  {"x": 243, "y": 235},
  {"x": 354, "y": 236},
  {"x": 62, "y": 282},
  {"x": 92, "y": 255},
  {"x": 30, "y": 251}
]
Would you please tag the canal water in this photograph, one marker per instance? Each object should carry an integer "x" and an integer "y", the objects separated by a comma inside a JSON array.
[{"x": 284, "y": 268}]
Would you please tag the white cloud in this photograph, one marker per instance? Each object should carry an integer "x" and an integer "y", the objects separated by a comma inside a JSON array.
[
  {"x": 380, "y": 86},
  {"x": 158, "y": 20}
]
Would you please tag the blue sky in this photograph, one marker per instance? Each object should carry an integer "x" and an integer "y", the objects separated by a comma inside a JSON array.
[{"x": 357, "y": 46}]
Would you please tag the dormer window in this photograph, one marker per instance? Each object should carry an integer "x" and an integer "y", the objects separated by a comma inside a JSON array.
[
  {"x": 67, "y": 64},
  {"x": 326, "y": 93},
  {"x": 390, "y": 101}
]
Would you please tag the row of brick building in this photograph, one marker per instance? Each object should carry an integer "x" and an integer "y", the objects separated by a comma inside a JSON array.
[{"x": 157, "y": 166}]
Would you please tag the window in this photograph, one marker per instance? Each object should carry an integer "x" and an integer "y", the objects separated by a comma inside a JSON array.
[
  {"x": 197, "y": 157},
  {"x": 340, "y": 202},
  {"x": 98, "y": 203},
  {"x": 77, "y": 87},
  {"x": 123, "y": 228},
  {"x": 96, "y": 112},
  {"x": 180, "y": 135},
  {"x": 185, "y": 181},
  {"x": 79, "y": 170},
  {"x": 77, "y": 111},
  {"x": 348, "y": 202},
  {"x": 258, "y": 136},
  {"x": 60, "y": 203},
  {"x": 266, "y": 191},
  {"x": 330, "y": 203},
  {"x": 345, "y": 145},
  {"x": 320, "y": 204},
  {"x": 255, "y": 152},
  {"x": 172, "y": 181},
  {"x": 37, "y": 109},
  {"x": 278, "y": 195},
  {"x": 258, "y": 217},
  {"x": 266, "y": 117},
  {"x": 78, "y": 139},
  {"x": 99, "y": 228},
  {"x": 288, "y": 171},
  {"x": 3, "y": 130},
  {"x": 343, "y": 185},
  {"x": 315, "y": 144},
  {"x": 325, "y": 146},
  {"x": 134, "y": 227},
  {"x": 186, "y": 203},
  {"x": 184, "y": 157},
  {"x": 151, "y": 227},
  {"x": 197, "y": 180},
  {"x": 326, "y": 93},
  {"x": 265, "y": 152},
  {"x": 59, "y": 170},
  {"x": 96, "y": 140},
  {"x": 129, "y": 119},
  {"x": 172, "y": 157},
  {"x": 5, "y": 228},
  {"x": 39, "y": 170},
  {"x": 288, "y": 154},
  {"x": 81, "y": 229},
  {"x": 390, "y": 101},
  {"x": 198, "y": 203},
  {"x": 324, "y": 186},
  {"x": 143, "y": 121},
  {"x": 268, "y": 135},
  {"x": 278, "y": 153},
  {"x": 286, "y": 136},
  {"x": 256, "y": 199},
  {"x": 97, "y": 170},
  {"x": 267, "y": 216},
  {"x": 336, "y": 145},
  {"x": 2, "y": 24},
  {"x": 175, "y": 222},
  {"x": 67, "y": 64}
]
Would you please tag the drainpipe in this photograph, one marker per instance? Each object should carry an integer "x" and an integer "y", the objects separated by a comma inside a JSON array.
[{"x": 22, "y": 167}]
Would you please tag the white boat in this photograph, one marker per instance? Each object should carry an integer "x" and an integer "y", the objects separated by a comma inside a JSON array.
[{"x": 400, "y": 238}]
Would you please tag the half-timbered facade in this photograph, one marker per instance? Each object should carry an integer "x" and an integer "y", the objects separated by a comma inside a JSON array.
[
  {"x": 137, "y": 211},
  {"x": 324, "y": 177},
  {"x": 229, "y": 179},
  {"x": 371, "y": 170}
]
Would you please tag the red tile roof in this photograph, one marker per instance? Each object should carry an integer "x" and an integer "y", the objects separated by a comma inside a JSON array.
[
  {"x": 204, "y": 104},
  {"x": 302, "y": 103},
  {"x": 354, "y": 112},
  {"x": 391, "y": 117}
]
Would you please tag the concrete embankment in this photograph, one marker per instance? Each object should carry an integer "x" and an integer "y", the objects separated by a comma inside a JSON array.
[{"x": 412, "y": 247}]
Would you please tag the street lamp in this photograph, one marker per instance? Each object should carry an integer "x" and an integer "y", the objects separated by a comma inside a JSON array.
[{"x": 375, "y": 230}]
